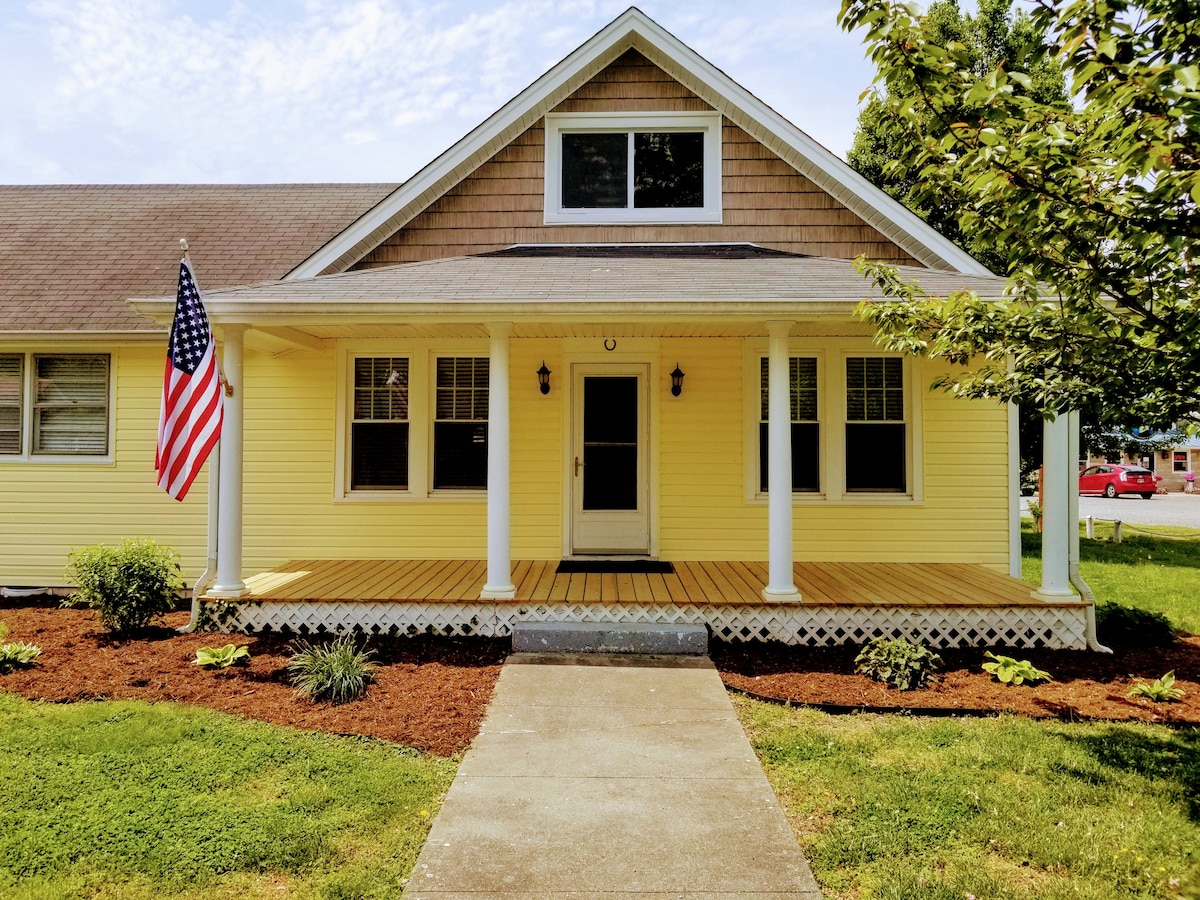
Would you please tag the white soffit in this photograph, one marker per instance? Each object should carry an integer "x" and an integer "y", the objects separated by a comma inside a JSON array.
[{"x": 633, "y": 29}]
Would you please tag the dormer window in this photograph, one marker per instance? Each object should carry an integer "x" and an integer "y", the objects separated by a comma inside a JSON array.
[{"x": 623, "y": 168}]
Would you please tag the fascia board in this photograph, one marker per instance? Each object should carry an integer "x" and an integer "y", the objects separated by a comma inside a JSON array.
[
  {"x": 76, "y": 335},
  {"x": 634, "y": 29},
  {"x": 832, "y": 174},
  {"x": 471, "y": 151}
]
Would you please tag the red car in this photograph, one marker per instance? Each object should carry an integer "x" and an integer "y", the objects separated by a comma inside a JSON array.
[{"x": 1112, "y": 481}]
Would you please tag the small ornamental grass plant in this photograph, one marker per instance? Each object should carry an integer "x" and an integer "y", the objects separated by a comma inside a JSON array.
[
  {"x": 1013, "y": 671},
  {"x": 130, "y": 585},
  {"x": 1160, "y": 690},
  {"x": 17, "y": 655},
  {"x": 897, "y": 661},
  {"x": 221, "y": 657},
  {"x": 337, "y": 671}
]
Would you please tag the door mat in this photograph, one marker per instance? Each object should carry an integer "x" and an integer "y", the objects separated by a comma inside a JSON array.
[{"x": 614, "y": 566}]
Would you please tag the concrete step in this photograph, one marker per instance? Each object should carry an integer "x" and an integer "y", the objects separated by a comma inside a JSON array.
[{"x": 606, "y": 637}]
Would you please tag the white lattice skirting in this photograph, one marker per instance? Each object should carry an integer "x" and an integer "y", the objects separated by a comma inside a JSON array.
[{"x": 1058, "y": 627}]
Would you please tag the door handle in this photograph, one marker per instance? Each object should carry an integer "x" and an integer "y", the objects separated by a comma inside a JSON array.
[{"x": 577, "y": 465}]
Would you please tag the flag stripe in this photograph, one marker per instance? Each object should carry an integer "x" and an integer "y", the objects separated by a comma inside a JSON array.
[{"x": 192, "y": 408}]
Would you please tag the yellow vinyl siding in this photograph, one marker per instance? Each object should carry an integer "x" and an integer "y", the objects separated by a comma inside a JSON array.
[
  {"x": 50, "y": 508},
  {"x": 704, "y": 513},
  {"x": 291, "y": 428}
]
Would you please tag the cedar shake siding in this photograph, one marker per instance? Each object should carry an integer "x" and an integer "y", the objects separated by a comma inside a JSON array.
[{"x": 764, "y": 199}]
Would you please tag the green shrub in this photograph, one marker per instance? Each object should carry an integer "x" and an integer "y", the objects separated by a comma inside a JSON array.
[
  {"x": 1160, "y": 690},
  {"x": 130, "y": 585},
  {"x": 222, "y": 657},
  {"x": 1128, "y": 626},
  {"x": 337, "y": 671},
  {"x": 17, "y": 655},
  {"x": 897, "y": 661},
  {"x": 1014, "y": 671}
]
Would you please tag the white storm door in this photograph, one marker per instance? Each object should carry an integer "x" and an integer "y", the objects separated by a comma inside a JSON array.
[{"x": 610, "y": 482}]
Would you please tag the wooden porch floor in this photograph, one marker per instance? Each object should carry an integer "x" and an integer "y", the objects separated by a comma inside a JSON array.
[{"x": 692, "y": 583}]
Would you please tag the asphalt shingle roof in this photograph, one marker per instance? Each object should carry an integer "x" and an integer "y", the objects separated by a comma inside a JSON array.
[
  {"x": 70, "y": 255},
  {"x": 555, "y": 280}
]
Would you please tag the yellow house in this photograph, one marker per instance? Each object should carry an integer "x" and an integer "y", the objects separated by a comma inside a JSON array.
[{"x": 596, "y": 362}]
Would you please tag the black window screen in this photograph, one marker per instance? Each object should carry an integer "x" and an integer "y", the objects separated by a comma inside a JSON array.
[
  {"x": 668, "y": 170},
  {"x": 876, "y": 433},
  {"x": 460, "y": 423},
  {"x": 806, "y": 431},
  {"x": 379, "y": 427}
]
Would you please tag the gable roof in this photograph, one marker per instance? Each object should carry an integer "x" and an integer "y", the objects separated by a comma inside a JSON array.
[
  {"x": 70, "y": 255},
  {"x": 633, "y": 29}
]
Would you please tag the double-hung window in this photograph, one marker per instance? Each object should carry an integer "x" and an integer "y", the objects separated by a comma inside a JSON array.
[
  {"x": 876, "y": 432},
  {"x": 805, "y": 424},
  {"x": 379, "y": 428},
  {"x": 460, "y": 425},
  {"x": 631, "y": 168},
  {"x": 54, "y": 405},
  {"x": 418, "y": 425}
]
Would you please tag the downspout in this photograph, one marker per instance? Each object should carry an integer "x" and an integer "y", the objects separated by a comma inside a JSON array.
[
  {"x": 210, "y": 566},
  {"x": 1085, "y": 592}
]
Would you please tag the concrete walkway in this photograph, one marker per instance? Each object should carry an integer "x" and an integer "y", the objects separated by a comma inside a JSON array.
[{"x": 613, "y": 777}]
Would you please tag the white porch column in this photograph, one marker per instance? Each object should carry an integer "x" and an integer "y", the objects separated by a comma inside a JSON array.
[
  {"x": 229, "y": 582},
  {"x": 499, "y": 584},
  {"x": 781, "y": 584},
  {"x": 1057, "y": 485}
]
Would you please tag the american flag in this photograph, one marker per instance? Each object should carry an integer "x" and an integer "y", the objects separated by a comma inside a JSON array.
[{"x": 189, "y": 421}]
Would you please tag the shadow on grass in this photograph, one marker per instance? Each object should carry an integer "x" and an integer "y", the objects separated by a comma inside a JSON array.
[{"x": 1172, "y": 756}]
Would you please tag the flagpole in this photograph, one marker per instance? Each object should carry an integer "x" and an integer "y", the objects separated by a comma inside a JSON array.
[{"x": 214, "y": 492}]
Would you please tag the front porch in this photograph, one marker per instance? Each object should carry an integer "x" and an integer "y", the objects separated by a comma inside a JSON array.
[{"x": 942, "y": 604}]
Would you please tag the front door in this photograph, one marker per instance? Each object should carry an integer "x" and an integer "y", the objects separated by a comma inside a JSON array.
[{"x": 610, "y": 483}]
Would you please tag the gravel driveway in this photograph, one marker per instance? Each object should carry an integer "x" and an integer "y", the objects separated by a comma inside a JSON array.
[{"x": 1164, "y": 509}]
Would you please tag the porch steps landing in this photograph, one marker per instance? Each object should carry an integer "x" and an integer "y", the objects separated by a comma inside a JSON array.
[{"x": 610, "y": 637}]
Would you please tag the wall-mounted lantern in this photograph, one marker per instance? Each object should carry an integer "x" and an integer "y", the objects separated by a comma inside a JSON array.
[
  {"x": 543, "y": 375},
  {"x": 676, "y": 381}
]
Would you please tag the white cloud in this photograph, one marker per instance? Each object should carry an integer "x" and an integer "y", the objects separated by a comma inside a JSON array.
[{"x": 294, "y": 90}]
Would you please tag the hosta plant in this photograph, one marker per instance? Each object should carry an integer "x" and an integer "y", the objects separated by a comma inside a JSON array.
[
  {"x": 897, "y": 661},
  {"x": 338, "y": 671},
  {"x": 1160, "y": 690},
  {"x": 221, "y": 657},
  {"x": 1013, "y": 671},
  {"x": 17, "y": 654}
]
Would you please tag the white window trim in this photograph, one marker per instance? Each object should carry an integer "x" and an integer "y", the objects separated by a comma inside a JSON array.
[
  {"x": 422, "y": 362},
  {"x": 707, "y": 123},
  {"x": 27, "y": 456},
  {"x": 831, "y": 355}
]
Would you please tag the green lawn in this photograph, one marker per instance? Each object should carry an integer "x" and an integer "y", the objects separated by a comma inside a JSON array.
[
  {"x": 129, "y": 800},
  {"x": 1154, "y": 573},
  {"x": 1003, "y": 809}
]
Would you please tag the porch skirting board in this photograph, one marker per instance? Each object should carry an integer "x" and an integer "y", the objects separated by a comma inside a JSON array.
[{"x": 1056, "y": 626}]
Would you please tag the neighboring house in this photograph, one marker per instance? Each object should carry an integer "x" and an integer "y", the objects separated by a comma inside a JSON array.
[
  {"x": 675, "y": 255},
  {"x": 1172, "y": 464}
]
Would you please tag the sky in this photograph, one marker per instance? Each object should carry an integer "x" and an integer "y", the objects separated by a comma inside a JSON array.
[{"x": 257, "y": 91}]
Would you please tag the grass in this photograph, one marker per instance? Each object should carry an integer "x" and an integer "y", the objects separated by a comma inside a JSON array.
[
  {"x": 129, "y": 800},
  {"x": 1006, "y": 809},
  {"x": 1153, "y": 573}
]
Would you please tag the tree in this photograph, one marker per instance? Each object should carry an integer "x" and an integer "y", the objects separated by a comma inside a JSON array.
[
  {"x": 990, "y": 39},
  {"x": 1095, "y": 201}
]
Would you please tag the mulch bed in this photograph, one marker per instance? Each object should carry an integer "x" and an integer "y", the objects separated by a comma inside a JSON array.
[
  {"x": 1086, "y": 685},
  {"x": 431, "y": 693}
]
